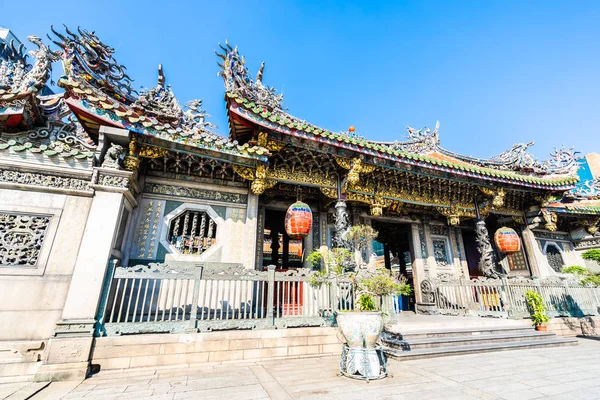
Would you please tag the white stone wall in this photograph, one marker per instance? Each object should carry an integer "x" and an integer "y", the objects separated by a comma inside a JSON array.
[{"x": 33, "y": 299}]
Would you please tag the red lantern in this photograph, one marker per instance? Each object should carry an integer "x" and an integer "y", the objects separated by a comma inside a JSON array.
[
  {"x": 298, "y": 220},
  {"x": 507, "y": 240}
]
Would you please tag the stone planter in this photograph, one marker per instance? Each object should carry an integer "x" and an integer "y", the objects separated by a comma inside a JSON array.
[
  {"x": 361, "y": 357},
  {"x": 360, "y": 329}
]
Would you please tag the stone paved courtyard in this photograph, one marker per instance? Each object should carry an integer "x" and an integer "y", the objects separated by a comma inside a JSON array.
[{"x": 559, "y": 373}]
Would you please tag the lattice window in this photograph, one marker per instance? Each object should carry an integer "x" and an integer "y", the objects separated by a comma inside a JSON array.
[
  {"x": 440, "y": 252},
  {"x": 192, "y": 232},
  {"x": 21, "y": 238},
  {"x": 554, "y": 257}
]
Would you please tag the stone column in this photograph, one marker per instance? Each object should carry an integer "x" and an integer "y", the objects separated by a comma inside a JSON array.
[
  {"x": 431, "y": 263},
  {"x": 68, "y": 351},
  {"x": 418, "y": 263},
  {"x": 251, "y": 231},
  {"x": 530, "y": 245}
]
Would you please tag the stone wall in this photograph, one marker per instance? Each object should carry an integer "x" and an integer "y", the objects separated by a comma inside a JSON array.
[
  {"x": 154, "y": 350},
  {"x": 586, "y": 326},
  {"x": 33, "y": 296}
]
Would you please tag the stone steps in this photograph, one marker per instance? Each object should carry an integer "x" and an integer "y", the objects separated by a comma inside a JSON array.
[
  {"x": 438, "y": 343},
  {"x": 467, "y": 332}
]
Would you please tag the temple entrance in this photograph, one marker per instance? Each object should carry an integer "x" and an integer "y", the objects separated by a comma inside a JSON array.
[
  {"x": 278, "y": 248},
  {"x": 393, "y": 249}
]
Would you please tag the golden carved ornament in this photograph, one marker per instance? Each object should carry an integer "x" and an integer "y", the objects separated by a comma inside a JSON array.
[
  {"x": 498, "y": 195},
  {"x": 355, "y": 167},
  {"x": 318, "y": 179},
  {"x": 454, "y": 213},
  {"x": 263, "y": 137},
  {"x": 271, "y": 145},
  {"x": 259, "y": 178},
  {"x": 551, "y": 219},
  {"x": 152, "y": 152},
  {"x": 131, "y": 163},
  {"x": 377, "y": 205},
  {"x": 245, "y": 172},
  {"x": 591, "y": 225},
  {"x": 407, "y": 196},
  {"x": 133, "y": 146}
]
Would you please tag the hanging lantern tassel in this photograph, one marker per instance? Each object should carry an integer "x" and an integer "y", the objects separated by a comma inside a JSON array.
[{"x": 298, "y": 220}]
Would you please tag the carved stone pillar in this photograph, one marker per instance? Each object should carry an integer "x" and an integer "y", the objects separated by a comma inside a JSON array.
[
  {"x": 418, "y": 264},
  {"x": 487, "y": 262},
  {"x": 68, "y": 352},
  {"x": 530, "y": 245}
]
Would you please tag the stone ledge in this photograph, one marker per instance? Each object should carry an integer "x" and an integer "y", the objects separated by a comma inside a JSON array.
[{"x": 155, "y": 350}]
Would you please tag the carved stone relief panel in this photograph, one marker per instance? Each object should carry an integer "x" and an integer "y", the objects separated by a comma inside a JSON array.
[{"x": 21, "y": 238}]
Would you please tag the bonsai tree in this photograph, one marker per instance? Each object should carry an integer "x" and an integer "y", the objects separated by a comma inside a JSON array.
[
  {"x": 536, "y": 308},
  {"x": 370, "y": 283},
  {"x": 376, "y": 285}
]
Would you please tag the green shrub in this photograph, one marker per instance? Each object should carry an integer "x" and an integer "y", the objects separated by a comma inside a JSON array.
[
  {"x": 535, "y": 302},
  {"x": 583, "y": 274},
  {"x": 575, "y": 270},
  {"x": 366, "y": 303},
  {"x": 592, "y": 254}
]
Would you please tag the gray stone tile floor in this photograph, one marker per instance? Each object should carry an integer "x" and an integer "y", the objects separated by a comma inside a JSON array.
[{"x": 571, "y": 372}]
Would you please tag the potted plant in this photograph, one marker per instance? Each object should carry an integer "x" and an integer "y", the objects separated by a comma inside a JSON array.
[{"x": 537, "y": 310}]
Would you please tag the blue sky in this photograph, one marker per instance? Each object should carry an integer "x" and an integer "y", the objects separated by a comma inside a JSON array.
[{"x": 492, "y": 72}]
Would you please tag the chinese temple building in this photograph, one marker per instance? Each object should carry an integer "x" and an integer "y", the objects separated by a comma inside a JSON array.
[{"x": 103, "y": 175}]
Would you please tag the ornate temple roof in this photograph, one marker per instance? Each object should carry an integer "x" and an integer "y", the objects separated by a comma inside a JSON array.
[
  {"x": 99, "y": 92},
  {"x": 21, "y": 82},
  {"x": 250, "y": 100},
  {"x": 33, "y": 123}
]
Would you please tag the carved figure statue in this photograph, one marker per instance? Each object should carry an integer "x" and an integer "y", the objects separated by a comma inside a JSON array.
[{"x": 113, "y": 156}]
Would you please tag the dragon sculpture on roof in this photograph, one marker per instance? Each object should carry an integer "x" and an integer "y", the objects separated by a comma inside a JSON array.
[
  {"x": 86, "y": 56},
  {"x": 238, "y": 80},
  {"x": 18, "y": 76}
]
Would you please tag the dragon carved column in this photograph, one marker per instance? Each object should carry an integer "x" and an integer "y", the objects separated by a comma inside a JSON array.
[
  {"x": 487, "y": 263},
  {"x": 342, "y": 224}
]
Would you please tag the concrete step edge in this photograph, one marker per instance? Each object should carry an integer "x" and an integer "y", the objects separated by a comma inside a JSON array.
[
  {"x": 457, "y": 350},
  {"x": 478, "y": 338},
  {"x": 458, "y": 331}
]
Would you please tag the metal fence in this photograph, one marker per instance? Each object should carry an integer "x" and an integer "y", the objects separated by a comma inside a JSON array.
[
  {"x": 162, "y": 298},
  {"x": 506, "y": 297}
]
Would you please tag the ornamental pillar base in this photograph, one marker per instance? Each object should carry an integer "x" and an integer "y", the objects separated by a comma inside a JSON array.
[
  {"x": 66, "y": 359},
  {"x": 426, "y": 309}
]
